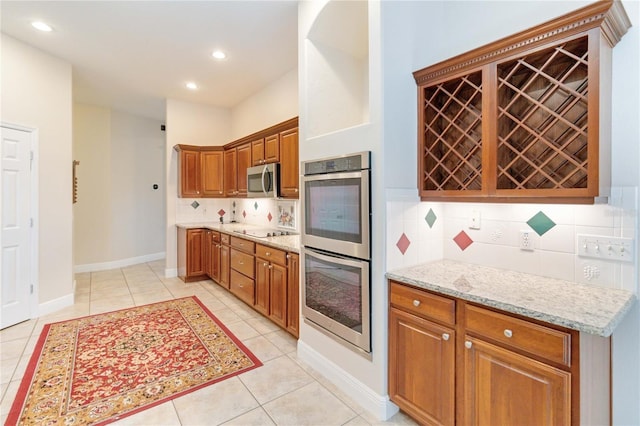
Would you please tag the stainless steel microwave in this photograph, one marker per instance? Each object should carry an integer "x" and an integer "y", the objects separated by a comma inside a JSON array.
[{"x": 263, "y": 181}]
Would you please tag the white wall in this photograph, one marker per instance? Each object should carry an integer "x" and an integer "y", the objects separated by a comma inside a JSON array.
[
  {"x": 362, "y": 379},
  {"x": 36, "y": 92},
  {"x": 189, "y": 124},
  {"x": 121, "y": 157},
  {"x": 274, "y": 104},
  {"x": 92, "y": 212}
]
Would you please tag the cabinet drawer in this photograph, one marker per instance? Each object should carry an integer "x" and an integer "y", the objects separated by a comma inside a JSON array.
[
  {"x": 225, "y": 238},
  {"x": 242, "y": 262},
  {"x": 242, "y": 244},
  {"x": 554, "y": 345},
  {"x": 242, "y": 287},
  {"x": 271, "y": 254},
  {"x": 423, "y": 303}
]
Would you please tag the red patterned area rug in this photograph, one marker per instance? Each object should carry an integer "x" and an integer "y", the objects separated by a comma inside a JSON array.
[{"x": 101, "y": 368}]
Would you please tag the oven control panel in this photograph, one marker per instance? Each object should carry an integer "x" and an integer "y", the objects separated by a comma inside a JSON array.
[{"x": 346, "y": 163}]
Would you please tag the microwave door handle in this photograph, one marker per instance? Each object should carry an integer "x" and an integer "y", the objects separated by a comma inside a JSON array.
[{"x": 264, "y": 171}]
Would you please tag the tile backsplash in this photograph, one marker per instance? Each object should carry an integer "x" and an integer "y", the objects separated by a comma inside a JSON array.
[
  {"x": 418, "y": 232},
  {"x": 265, "y": 212}
]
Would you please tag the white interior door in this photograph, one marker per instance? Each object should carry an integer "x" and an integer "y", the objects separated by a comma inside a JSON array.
[{"x": 15, "y": 154}]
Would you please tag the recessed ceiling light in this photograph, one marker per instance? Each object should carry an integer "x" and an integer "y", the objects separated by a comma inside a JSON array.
[
  {"x": 39, "y": 25},
  {"x": 219, "y": 54},
  {"x": 191, "y": 85}
]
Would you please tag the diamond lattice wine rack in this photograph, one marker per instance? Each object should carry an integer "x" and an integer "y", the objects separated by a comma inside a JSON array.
[{"x": 524, "y": 119}]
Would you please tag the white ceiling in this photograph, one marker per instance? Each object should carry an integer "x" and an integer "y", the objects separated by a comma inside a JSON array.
[{"x": 132, "y": 55}]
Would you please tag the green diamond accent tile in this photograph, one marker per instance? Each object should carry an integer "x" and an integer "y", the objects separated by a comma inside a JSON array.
[
  {"x": 541, "y": 223},
  {"x": 430, "y": 218},
  {"x": 255, "y": 205},
  {"x": 195, "y": 204}
]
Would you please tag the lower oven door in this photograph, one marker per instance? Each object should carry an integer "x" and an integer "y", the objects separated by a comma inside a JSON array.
[{"x": 335, "y": 296}]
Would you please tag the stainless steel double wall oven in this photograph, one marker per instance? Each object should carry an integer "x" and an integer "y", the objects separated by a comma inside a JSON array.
[{"x": 336, "y": 234}]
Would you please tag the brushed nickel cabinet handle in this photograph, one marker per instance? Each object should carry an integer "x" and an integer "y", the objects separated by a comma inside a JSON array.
[
  {"x": 468, "y": 344},
  {"x": 416, "y": 303},
  {"x": 445, "y": 336},
  {"x": 508, "y": 333}
]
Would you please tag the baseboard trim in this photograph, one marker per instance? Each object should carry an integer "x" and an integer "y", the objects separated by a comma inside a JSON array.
[
  {"x": 54, "y": 305},
  {"x": 378, "y": 405},
  {"x": 171, "y": 272},
  {"x": 93, "y": 267}
]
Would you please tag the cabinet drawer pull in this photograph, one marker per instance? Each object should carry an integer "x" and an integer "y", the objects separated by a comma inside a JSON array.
[
  {"x": 508, "y": 333},
  {"x": 445, "y": 336},
  {"x": 468, "y": 344},
  {"x": 240, "y": 262},
  {"x": 264, "y": 265},
  {"x": 267, "y": 254},
  {"x": 416, "y": 303},
  {"x": 270, "y": 266}
]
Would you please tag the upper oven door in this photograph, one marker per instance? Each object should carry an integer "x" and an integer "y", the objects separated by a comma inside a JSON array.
[
  {"x": 262, "y": 181},
  {"x": 336, "y": 214}
]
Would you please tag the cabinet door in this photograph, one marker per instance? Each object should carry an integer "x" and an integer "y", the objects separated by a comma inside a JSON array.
[
  {"x": 212, "y": 173},
  {"x": 230, "y": 172},
  {"x": 262, "y": 286},
  {"x": 502, "y": 387},
  {"x": 422, "y": 368},
  {"x": 224, "y": 266},
  {"x": 293, "y": 293},
  {"x": 206, "y": 253},
  {"x": 244, "y": 162},
  {"x": 451, "y": 141},
  {"x": 215, "y": 260},
  {"x": 289, "y": 164},
  {"x": 257, "y": 152},
  {"x": 278, "y": 294},
  {"x": 189, "y": 164},
  {"x": 195, "y": 241},
  {"x": 272, "y": 149}
]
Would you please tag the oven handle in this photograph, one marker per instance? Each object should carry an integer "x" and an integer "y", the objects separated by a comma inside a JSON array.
[{"x": 337, "y": 258}]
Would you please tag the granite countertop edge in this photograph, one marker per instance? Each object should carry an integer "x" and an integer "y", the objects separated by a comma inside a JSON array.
[
  {"x": 289, "y": 243},
  {"x": 600, "y": 328}
]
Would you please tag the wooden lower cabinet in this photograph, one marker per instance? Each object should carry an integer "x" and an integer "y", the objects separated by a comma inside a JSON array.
[
  {"x": 191, "y": 264},
  {"x": 225, "y": 270},
  {"x": 502, "y": 387},
  {"x": 422, "y": 356},
  {"x": 271, "y": 284},
  {"x": 293, "y": 294},
  {"x": 454, "y": 362}
]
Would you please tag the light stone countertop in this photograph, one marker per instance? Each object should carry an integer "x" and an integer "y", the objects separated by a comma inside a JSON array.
[
  {"x": 286, "y": 242},
  {"x": 591, "y": 309}
]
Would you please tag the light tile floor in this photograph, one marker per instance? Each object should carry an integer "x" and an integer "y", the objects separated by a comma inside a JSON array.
[{"x": 282, "y": 392}]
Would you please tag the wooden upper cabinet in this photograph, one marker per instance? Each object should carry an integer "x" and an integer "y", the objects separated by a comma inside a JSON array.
[
  {"x": 244, "y": 162},
  {"x": 272, "y": 149},
  {"x": 257, "y": 152},
  {"x": 524, "y": 119},
  {"x": 200, "y": 171},
  {"x": 212, "y": 170},
  {"x": 230, "y": 172},
  {"x": 289, "y": 164},
  {"x": 189, "y": 180}
]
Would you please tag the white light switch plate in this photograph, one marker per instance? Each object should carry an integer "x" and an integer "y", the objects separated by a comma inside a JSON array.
[{"x": 608, "y": 248}]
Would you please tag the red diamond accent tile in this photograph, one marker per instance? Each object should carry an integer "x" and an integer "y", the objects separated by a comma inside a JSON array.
[
  {"x": 463, "y": 240},
  {"x": 269, "y": 217},
  {"x": 244, "y": 213},
  {"x": 221, "y": 212},
  {"x": 403, "y": 243}
]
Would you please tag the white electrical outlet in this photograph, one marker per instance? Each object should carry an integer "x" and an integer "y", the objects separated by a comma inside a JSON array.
[
  {"x": 603, "y": 247},
  {"x": 526, "y": 240},
  {"x": 474, "y": 219}
]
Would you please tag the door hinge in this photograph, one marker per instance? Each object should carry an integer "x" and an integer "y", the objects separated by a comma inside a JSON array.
[
  {"x": 31, "y": 222},
  {"x": 31, "y": 288},
  {"x": 31, "y": 160}
]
